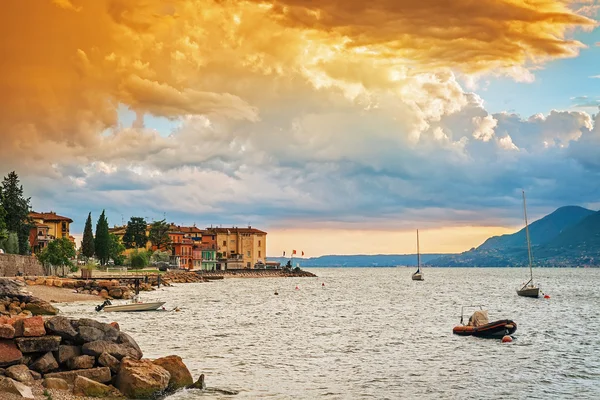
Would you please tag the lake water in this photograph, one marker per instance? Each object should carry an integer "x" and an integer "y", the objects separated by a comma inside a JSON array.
[{"x": 373, "y": 333}]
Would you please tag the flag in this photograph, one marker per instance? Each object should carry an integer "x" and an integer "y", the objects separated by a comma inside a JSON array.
[
  {"x": 293, "y": 251},
  {"x": 303, "y": 252}
]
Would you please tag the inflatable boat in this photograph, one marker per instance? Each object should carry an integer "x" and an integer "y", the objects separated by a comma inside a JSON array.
[{"x": 480, "y": 326}]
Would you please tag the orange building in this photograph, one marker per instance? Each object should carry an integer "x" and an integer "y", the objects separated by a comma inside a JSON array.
[
  {"x": 47, "y": 227},
  {"x": 181, "y": 247}
]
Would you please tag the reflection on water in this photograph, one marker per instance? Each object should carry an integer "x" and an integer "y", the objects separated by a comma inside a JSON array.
[{"x": 375, "y": 333}]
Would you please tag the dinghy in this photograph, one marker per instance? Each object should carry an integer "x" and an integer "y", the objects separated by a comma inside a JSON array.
[{"x": 480, "y": 326}]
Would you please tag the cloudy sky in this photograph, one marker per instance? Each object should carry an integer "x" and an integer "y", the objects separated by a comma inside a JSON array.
[{"x": 337, "y": 126}]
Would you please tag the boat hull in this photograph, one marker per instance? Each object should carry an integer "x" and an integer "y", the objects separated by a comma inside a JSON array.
[
  {"x": 417, "y": 276},
  {"x": 133, "y": 307},
  {"x": 529, "y": 291},
  {"x": 496, "y": 329}
]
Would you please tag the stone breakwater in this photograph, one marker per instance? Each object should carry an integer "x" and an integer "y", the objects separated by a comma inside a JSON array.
[
  {"x": 113, "y": 288},
  {"x": 256, "y": 273},
  {"x": 15, "y": 303},
  {"x": 83, "y": 357}
]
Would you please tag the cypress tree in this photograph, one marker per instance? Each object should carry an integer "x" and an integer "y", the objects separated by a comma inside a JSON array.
[
  {"x": 87, "y": 244},
  {"x": 16, "y": 210},
  {"x": 101, "y": 244}
]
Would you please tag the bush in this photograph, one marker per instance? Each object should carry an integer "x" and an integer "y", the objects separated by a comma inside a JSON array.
[{"x": 139, "y": 259}]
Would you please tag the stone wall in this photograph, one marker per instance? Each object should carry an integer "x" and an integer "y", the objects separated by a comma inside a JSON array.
[{"x": 10, "y": 264}]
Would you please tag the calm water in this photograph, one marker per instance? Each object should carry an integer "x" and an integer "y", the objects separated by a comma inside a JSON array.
[{"x": 374, "y": 333}]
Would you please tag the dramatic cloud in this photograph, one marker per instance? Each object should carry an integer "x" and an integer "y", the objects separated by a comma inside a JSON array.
[{"x": 289, "y": 113}]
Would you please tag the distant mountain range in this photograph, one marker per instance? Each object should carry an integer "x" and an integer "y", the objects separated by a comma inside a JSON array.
[{"x": 570, "y": 236}]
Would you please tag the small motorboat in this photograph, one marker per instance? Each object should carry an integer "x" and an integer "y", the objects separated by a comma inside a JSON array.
[
  {"x": 480, "y": 326},
  {"x": 135, "y": 305}
]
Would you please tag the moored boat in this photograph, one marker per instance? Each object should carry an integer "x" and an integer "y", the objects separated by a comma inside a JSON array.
[
  {"x": 418, "y": 274},
  {"x": 529, "y": 289},
  {"x": 480, "y": 326},
  {"x": 135, "y": 307}
]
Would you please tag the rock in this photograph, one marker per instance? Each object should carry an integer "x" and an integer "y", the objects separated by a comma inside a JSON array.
[
  {"x": 55, "y": 383},
  {"x": 9, "y": 353},
  {"x": 41, "y": 307},
  {"x": 66, "y": 352},
  {"x": 128, "y": 340},
  {"x": 19, "y": 373},
  {"x": 2, "y": 372},
  {"x": 35, "y": 375},
  {"x": 114, "y": 349},
  {"x": 180, "y": 375},
  {"x": 101, "y": 374},
  {"x": 30, "y": 327},
  {"x": 117, "y": 293},
  {"x": 14, "y": 308},
  {"x": 61, "y": 326},
  {"x": 86, "y": 387},
  {"x": 8, "y": 385},
  {"x": 106, "y": 360},
  {"x": 104, "y": 294},
  {"x": 7, "y": 331},
  {"x": 38, "y": 344},
  {"x": 81, "y": 362},
  {"x": 199, "y": 384},
  {"x": 29, "y": 358},
  {"x": 91, "y": 330},
  {"x": 44, "y": 364},
  {"x": 115, "y": 325},
  {"x": 140, "y": 379}
]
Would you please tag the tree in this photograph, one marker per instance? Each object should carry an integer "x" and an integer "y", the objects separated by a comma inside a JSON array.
[
  {"x": 160, "y": 256},
  {"x": 159, "y": 235},
  {"x": 135, "y": 234},
  {"x": 116, "y": 249},
  {"x": 16, "y": 210},
  {"x": 58, "y": 253},
  {"x": 87, "y": 244},
  {"x": 12, "y": 243},
  {"x": 101, "y": 244},
  {"x": 138, "y": 259},
  {"x": 3, "y": 231}
]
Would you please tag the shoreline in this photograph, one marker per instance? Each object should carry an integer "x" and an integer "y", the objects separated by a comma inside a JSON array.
[{"x": 59, "y": 295}]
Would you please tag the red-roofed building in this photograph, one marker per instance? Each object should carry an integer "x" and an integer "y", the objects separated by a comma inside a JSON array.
[{"x": 47, "y": 227}]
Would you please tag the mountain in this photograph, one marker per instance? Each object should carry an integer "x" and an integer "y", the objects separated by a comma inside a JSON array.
[
  {"x": 541, "y": 231},
  {"x": 570, "y": 236},
  {"x": 359, "y": 260}
]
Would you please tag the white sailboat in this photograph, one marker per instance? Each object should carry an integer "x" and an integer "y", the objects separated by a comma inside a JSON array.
[
  {"x": 418, "y": 275},
  {"x": 529, "y": 289}
]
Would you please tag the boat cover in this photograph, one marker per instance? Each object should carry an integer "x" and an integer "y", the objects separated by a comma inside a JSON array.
[{"x": 479, "y": 318}]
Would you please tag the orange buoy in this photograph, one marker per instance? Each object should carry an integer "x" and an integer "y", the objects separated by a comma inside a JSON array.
[
  {"x": 506, "y": 339},
  {"x": 323, "y": 284},
  {"x": 546, "y": 296}
]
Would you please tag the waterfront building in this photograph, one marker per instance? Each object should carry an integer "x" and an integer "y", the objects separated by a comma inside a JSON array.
[
  {"x": 48, "y": 226},
  {"x": 240, "y": 247}
]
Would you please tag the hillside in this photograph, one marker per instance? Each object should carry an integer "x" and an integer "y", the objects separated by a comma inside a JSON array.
[
  {"x": 359, "y": 260},
  {"x": 570, "y": 236},
  {"x": 541, "y": 231}
]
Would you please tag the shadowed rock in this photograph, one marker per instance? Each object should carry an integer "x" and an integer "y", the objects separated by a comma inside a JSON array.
[
  {"x": 61, "y": 326},
  {"x": 44, "y": 364},
  {"x": 41, "y": 344},
  {"x": 114, "y": 349}
]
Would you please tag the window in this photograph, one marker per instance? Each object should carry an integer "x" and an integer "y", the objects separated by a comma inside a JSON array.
[
  {"x": 259, "y": 254},
  {"x": 224, "y": 242},
  {"x": 259, "y": 243},
  {"x": 248, "y": 253}
]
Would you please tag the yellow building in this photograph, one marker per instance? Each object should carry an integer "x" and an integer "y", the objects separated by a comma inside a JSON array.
[
  {"x": 47, "y": 227},
  {"x": 248, "y": 245}
]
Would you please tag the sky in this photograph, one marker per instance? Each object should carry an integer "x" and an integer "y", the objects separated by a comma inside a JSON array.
[{"x": 339, "y": 127}]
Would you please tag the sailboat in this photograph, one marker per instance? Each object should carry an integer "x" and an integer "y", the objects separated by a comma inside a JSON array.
[
  {"x": 529, "y": 289},
  {"x": 418, "y": 275}
]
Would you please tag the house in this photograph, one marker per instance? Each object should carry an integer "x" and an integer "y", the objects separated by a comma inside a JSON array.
[
  {"x": 181, "y": 247},
  {"x": 242, "y": 247},
  {"x": 46, "y": 227}
]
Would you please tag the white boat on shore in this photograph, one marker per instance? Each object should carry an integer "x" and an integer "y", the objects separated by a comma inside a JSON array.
[{"x": 107, "y": 306}]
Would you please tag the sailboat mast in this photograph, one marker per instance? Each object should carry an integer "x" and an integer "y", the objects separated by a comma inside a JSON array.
[
  {"x": 418, "y": 253},
  {"x": 527, "y": 235}
]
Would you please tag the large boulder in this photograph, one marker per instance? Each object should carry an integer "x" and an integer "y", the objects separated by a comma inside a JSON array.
[
  {"x": 44, "y": 364},
  {"x": 61, "y": 326},
  {"x": 86, "y": 387},
  {"x": 81, "y": 362},
  {"x": 9, "y": 353},
  {"x": 7, "y": 331},
  {"x": 101, "y": 374},
  {"x": 19, "y": 373},
  {"x": 41, "y": 307},
  {"x": 180, "y": 374},
  {"x": 42, "y": 344},
  {"x": 8, "y": 385},
  {"x": 117, "y": 292},
  {"x": 55, "y": 383},
  {"x": 91, "y": 330},
  {"x": 66, "y": 352},
  {"x": 141, "y": 379},
  {"x": 114, "y": 349},
  {"x": 129, "y": 341},
  {"x": 30, "y": 327},
  {"x": 106, "y": 360}
]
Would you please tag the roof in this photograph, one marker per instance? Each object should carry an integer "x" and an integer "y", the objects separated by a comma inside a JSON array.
[
  {"x": 189, "y": 229},
  {"x": 49, "y": 216},
  {"x": 234, "y": 230}
]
